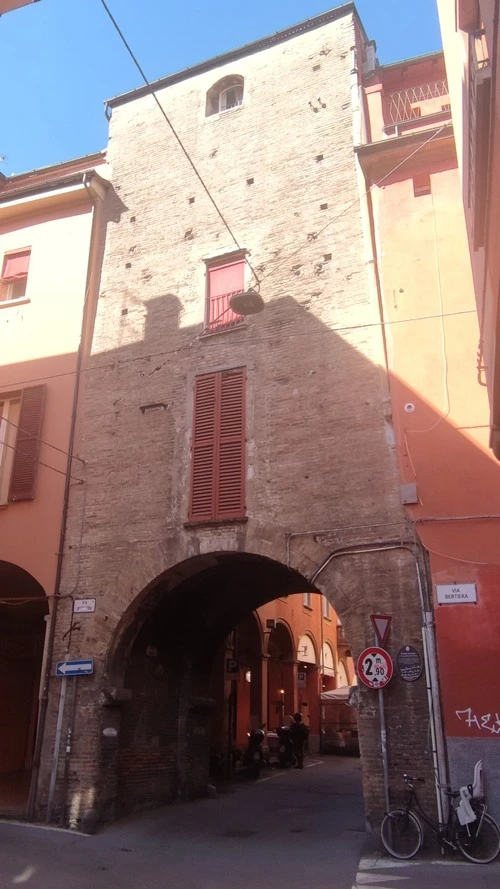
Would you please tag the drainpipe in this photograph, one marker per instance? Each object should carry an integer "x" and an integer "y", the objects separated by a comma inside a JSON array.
[
  {"x": 50, "y": 633},
  {"x": 430, "y": 658}
]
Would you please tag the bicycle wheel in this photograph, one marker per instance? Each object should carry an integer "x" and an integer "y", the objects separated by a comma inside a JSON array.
[
  {"x": 479, "y": 841},
  {"x": 401, "y": 833}
]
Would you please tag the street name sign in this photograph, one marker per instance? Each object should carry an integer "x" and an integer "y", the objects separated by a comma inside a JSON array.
[
  {"x": 375, "y": 667},
  {"x": 75, "y": 668},
  {"x": 84, "y": 606},
  {"x": 456, "y": 593}
]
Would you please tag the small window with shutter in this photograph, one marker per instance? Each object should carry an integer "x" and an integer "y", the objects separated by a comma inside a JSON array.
[
  {"x": 21, "y": 418},
  {"x": 218, "y": 449},
  {"x": 14, "y": 278}
]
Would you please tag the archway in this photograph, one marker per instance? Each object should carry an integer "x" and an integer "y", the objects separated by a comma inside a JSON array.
[
  {"x": 23, "y": 606},
  {"x": 164, "y": 654}
]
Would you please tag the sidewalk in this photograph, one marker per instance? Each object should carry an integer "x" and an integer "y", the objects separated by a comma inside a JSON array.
[{"x": 428, "y": 870}]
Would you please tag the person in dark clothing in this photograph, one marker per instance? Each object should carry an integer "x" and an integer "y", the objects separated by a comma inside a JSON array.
[{"x": 299, "y": 733}]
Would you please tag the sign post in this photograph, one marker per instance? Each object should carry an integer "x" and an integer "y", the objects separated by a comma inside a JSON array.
[{"x": 375, "y": 669}]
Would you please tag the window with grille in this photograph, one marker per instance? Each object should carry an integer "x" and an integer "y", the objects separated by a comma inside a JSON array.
[
  {"x": 224, "y": 279},
  {"x": 14, "y": 276},
  {"x": 21, "y": 416},
  {"x": 218, "y": 449}
]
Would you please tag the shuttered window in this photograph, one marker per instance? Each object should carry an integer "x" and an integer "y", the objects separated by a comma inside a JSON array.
[
  {"x": 14, "y": 276},
  {"x": 218, "y": 454},
  {"x": 223, "y": 281},
  {"x": 24, "y": 466}
]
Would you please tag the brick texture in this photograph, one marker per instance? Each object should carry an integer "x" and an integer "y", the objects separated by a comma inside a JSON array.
[{"x": 317, "y": 451}]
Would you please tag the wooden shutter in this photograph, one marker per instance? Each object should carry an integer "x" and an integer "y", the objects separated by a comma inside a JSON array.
[
  {"x": 25, "y": 463},
  {"x": 218, "y": 454},
  {"x": 230, "y": 467},
  {"x": 203, "y": 454}
]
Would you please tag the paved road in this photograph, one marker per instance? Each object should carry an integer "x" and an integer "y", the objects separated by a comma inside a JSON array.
[{"x": 291, "y": 829}]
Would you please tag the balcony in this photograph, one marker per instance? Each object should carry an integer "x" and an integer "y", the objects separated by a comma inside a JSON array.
[
  {"x": 219, "y": 315},
  {"x": 416, "y": 106}
]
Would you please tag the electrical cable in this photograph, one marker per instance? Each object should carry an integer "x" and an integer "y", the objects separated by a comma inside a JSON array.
[
  {"x": 42, "y": 441},
  {"x": 41, "y": 463},
  {"x": 261, "y": 339},
  {"x": 176, "y": 135}
]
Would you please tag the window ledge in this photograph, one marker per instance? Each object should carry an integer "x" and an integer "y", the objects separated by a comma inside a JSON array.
[
  {"x": 218, "y": 114},
  {"x": 207, "y": 334},
  {"x": 4, "y": 304},
  {"x": 308, "y": 608},
  {"x": 211, "y": 523}
]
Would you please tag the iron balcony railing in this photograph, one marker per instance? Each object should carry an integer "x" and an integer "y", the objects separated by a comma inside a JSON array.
[
  {"x": 405, "y": 104},
  {"x": 219, "y": 313}
]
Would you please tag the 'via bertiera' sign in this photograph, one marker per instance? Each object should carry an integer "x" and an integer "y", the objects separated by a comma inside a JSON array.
[{"x": 456, "y": 593}]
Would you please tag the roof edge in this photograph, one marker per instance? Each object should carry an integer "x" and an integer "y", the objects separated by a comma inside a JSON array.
[{"x": 235, "y": 54}]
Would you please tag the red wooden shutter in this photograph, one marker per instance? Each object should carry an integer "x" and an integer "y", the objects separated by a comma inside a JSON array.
[
  {"x": 203, "y": 455},
  {"x": 230, "y": 464},
  {"x": 25, "y": 464}
]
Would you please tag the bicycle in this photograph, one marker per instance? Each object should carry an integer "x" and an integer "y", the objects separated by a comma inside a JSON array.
[{"x": 478, "y": 839}]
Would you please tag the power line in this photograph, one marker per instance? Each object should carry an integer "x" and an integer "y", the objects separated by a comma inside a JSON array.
[
  {"x": 176, "y": 135},
  {"x": 41, "y": 440},
  {"x": 41, "y": 463},
  {"x": 353, "y": 203},
  {"x": 261, "y": 339}
]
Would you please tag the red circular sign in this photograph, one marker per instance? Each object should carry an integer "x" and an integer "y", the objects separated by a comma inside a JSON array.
[{"x": 375, "y": 667}]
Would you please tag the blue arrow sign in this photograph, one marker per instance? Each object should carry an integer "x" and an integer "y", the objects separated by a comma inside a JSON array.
[{"x": 75, "y": 668}]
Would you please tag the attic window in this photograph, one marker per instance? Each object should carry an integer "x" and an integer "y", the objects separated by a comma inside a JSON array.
[{"x": 224, "y": 95}]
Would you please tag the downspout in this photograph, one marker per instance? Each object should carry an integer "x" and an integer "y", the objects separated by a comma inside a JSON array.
[
  {"x": 50, "y": 634},
  {"x": 430, "y": 658}
]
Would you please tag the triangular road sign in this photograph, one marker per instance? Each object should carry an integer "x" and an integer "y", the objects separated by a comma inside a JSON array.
[{"x": 382, "y": 626}]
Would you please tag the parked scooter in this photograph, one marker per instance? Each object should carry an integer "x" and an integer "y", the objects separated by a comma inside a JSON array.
[
  {"x": 253, "y": 758},
  {"x": 286, "y": 755}
]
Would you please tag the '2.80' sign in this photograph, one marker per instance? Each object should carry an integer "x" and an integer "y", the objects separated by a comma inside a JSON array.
[{"x": 375, "y": 667}]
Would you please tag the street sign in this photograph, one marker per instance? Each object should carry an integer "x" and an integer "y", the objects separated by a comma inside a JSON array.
[
  {"x": 84, "y": 606},
  {"x": 382, "y": 625},
  {"x": 409, "y": 663},
  {"x": 75, "y": 668},
  {"x": 375, "y": 667},
  {"x": 456, "y": 593}
]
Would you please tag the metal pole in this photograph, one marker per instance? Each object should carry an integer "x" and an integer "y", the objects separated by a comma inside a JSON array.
[
  {"x": 57, "y": 743},
  {"x": 383, "y": 744}
]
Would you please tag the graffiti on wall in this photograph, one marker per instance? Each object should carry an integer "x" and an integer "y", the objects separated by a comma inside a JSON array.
[{"x": 488, "y": 722}]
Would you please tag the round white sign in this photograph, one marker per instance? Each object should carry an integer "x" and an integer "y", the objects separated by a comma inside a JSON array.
[{"x": 375, "y": 667}]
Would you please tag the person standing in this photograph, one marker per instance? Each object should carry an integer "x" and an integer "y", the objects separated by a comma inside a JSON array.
[{"x": 299, "y": 733}]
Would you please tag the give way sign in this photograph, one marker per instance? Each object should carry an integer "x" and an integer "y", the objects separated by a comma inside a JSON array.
[{"x": 375, "y": 667}]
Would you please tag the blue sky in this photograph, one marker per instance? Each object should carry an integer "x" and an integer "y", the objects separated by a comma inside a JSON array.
[{"x": 60, "y": 59}]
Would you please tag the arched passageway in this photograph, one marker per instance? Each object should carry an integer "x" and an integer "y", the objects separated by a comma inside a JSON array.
[
  {"x": 170, "y": 645},
  {"x": 23, "y": 606}
]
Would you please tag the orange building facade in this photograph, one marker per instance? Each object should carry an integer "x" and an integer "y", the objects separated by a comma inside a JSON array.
[
  {"x": 49, "y": 244},
  {"x": 471, "y": 41},
  {"x": 285, "y": 654},
  {"x": 439, "y": 413}
]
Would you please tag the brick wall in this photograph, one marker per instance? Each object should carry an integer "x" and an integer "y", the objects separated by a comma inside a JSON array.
[{"x": 318, "y": 455}]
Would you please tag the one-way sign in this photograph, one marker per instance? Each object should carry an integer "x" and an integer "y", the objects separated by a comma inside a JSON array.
[{"x": 75, "y": 668}]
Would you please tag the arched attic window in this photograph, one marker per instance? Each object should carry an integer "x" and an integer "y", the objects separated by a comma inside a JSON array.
[{"x": 224, "y": 95}]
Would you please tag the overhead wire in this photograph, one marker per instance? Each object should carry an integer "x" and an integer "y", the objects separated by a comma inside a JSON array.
[
  {"x": 5, "y": 444},
  {"x": 176, "y": 135},
  {"x": 41, "y": 440}
]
